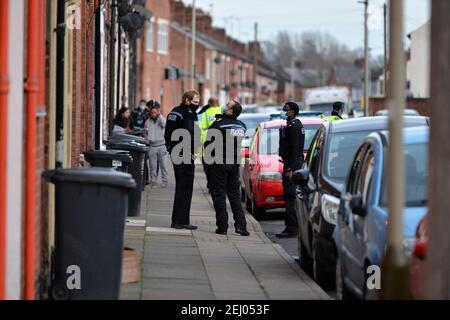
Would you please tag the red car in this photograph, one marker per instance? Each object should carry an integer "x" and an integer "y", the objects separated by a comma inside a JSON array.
[
  {"x": 262, "y": 172},
  {"x": 417, "y": 280}
]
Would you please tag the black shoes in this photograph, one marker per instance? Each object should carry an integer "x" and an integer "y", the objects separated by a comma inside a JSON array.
[
  {"x": 286, "y": 234},
  {"x": 242, "y": 232},
  {"x": 186, "y": 226},
  {"x": 221, "y": 232}
]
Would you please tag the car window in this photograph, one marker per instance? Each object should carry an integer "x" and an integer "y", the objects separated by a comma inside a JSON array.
[
  {"x": 310, "y": 133},
  {"x": 312, "y": 146},
  {"x": 355, "y": 169},
  {"x": 315, "y": 155},
  {"x": 416, "y": 175},
  {"x": 365, "y": 175},
  {"x": 340, "y": 152},
  {"x": 269, "y": 141},
  {"x": 253, "y": 143}
]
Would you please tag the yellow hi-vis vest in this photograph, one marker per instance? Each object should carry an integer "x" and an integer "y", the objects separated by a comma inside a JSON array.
[
  {"x": 209, "y": 116},
  {"x": 333, "y": 118}
]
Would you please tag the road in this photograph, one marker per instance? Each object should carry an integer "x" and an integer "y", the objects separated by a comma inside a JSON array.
[{"x": 273, "y": 224}]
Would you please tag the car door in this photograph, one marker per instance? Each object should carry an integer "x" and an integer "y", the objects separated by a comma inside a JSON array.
[
  {"x": 310, "y": 193},
  {"x": 246, "y": 176},
  {"x": 253, "y": 162},
  {"x": 356, "y": 236}
]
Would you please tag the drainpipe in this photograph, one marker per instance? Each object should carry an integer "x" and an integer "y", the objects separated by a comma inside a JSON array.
[
  {"x": 32, "y": 95},
  {"x": 4, "y": 90}
]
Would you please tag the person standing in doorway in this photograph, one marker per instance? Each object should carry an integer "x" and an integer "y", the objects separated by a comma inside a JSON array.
[
  {"x": 154, "y": 128},
  {"x": 182, "y": 126}
]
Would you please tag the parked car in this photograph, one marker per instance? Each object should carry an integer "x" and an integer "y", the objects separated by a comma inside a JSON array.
[
  {"x": 361, "y": 230},
  {"x": 417, "y": 271},
  {"x": 323, "y": 175},
  {"x": 406, "y": 112},
  {"x": 262, "y": 170}
]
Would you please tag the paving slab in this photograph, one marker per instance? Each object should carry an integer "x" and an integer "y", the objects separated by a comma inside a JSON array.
[{"x": 199, "y": 264}]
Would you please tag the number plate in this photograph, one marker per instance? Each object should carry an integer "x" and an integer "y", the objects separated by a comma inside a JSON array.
[{"x": 117, "y": 163}]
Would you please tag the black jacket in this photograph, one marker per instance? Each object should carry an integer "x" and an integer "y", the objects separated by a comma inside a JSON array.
[
  {"x": 139, "y": 117},
  {"x": 233, "y": 131},
  {"x": 292, "y": 141},
  {"x": 182, "y": 117}
]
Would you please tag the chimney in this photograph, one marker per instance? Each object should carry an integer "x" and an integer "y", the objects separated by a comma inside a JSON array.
[
  {"x": 251, "y": 49},
  {"x": 177, "y": 9},
  {"x": 219, "y": 34},
  {"x": 204, "y": 23}
]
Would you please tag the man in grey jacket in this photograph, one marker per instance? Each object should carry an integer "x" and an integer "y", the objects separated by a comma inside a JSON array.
[{"x": 155, "y": 127}]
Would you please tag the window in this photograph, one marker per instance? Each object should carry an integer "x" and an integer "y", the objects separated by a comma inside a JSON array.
[
  {"x": 416, "y": 176},
  {"x": 340, "y": 152},
  {"x": 163, "y": 38},
  {"x": 149, "y": 37},
  {"x": 269, "y": 141},
  {"x": 365, "y": 176}
]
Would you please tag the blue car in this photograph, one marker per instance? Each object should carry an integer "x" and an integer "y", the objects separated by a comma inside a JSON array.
[{"x": 361, "y": 231}]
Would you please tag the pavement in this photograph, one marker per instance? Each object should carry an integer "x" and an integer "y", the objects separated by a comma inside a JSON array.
[{"x": 201, "y": 265}]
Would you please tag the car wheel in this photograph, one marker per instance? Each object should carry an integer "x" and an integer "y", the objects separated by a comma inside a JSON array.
[
  {"x": 342, "y": 293},
  {"x": 305, "y": 259},
  {"x": 323, "y": 278},
  {"x": 258, "y": 212}
]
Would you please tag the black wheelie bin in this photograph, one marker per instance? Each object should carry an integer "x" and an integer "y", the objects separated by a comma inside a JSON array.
[{"x": 91, "y": 206}]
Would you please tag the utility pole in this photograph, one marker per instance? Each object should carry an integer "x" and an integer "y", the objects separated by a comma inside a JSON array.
[
  {"x": 194, "y": 24},
  {"x": 292, "y": 80},
  {"x": 439, "y": 185},
  {"x": 255, "y": 63},
  {"x": 385, "y": 49},
  {"x": 394, "y": 269},
  {"x": 366, "y": 58}
]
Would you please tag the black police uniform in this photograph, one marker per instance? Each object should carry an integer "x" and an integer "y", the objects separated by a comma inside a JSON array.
[
  {"x": 224, "y": 173},
  {"x": 182, "y": 117},
  {"x": 292, "y": 140},
  {"x": 139, "y": 117}
]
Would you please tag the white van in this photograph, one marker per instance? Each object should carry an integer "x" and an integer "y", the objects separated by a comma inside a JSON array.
[{"x": 322, "y": 99}]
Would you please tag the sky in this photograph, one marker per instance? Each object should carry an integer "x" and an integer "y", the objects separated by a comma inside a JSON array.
[{"x": 344, "y": 19}]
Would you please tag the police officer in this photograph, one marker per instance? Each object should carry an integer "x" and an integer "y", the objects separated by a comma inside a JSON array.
[
  {"x": 140, "y": 114},
  {"x": 336, "y": 113},
  {"x": 292, "y": 140},
  {"x": 208, "y": 115},
  {"x": 181, "y": 124},
  {"x": 223, "y": 167}
]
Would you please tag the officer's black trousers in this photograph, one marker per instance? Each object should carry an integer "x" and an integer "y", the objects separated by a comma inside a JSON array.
[
  {"x": 224, "y": 181},
  {"x": 184, "y": 183},
  {"x": 290, "y": 218}
]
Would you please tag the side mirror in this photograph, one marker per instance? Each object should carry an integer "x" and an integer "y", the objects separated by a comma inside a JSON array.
[
  {"x": 245, "y": 153},
  {"x": 420, "y": 249},
  {"x": 301, "y": 177},
  {"x": 357, "y": 206}
]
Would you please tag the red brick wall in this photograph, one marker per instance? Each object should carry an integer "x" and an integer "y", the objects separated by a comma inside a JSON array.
[
  {"x": 82, "y": 100},
  {"x": 423, "y": 106}
]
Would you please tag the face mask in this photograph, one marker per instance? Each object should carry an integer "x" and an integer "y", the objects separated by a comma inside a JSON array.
[
  {"x": 142, "y": 107},
  {"x": 193, "y": 106}
]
